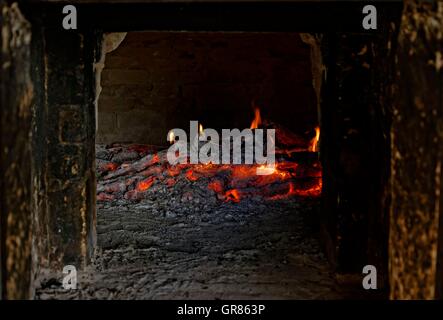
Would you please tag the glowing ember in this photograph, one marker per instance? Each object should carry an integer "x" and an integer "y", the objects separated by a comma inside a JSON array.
[
  {"x": 145, "y": 184},
  {"x": 296, "y": 172},
  {"x": 191, "y": 176},
  {"x": 232, "y": 183},
  {"x": 313, "y": 191},
  {"x": 257, "y": 119},
  {"x": 112, "y": 166},
  {"x": 232, "y": 195},
  {"x": 216, "y": 186},
  {"x": 155, "y": 159},
  {"x": 239, "y": 172},
  {"x": 264, "y": 170}
]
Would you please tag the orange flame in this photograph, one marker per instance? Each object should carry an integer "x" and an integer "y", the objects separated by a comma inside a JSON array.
[
  {"x": 200, "y": 129},
  {"x": 257, "y": 119},
  {"x": 313, "y": 147},
  {"x": 265, "y": 170},
  {"x": 171, "y": 137}
]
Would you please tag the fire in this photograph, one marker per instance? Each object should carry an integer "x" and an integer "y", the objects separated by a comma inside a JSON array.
[
  {"x": 200, "y": 129},
  {"x": 265, "y": 170},
  {"x": 231, "y": 183},
  {"x": 171, "y": 137},
  {"x": 257, "y": 119},
  {"x": 313, "y": 191},
  {"x": 313, "y": 147},
  {"x": 228, "y": 182},
  {"x": 145, "y": 184}
]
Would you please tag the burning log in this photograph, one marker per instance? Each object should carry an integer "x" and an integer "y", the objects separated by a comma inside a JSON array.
[
  {"x": 133, "y": 181},
  {"x": 135, "y": 167},
  {"x": 134, "y": 172},
  {"x": 286, "y": 139}
]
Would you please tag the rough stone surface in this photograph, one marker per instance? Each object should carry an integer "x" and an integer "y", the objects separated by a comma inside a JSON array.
[
  {"x": 63, "y": 145},
  {"x": 15, "y": 168},
  {"x": 417, "y": 143},
  {"x": 185, "y": 240},
  {"x": 199, "y": 247},
  {"x": 356, "y": 113}
]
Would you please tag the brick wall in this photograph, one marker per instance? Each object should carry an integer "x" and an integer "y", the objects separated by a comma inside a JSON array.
[{"x": 156, "y": 81}]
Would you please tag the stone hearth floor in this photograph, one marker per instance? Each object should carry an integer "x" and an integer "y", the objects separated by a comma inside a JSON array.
[{"x": 200, "y": 249}]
